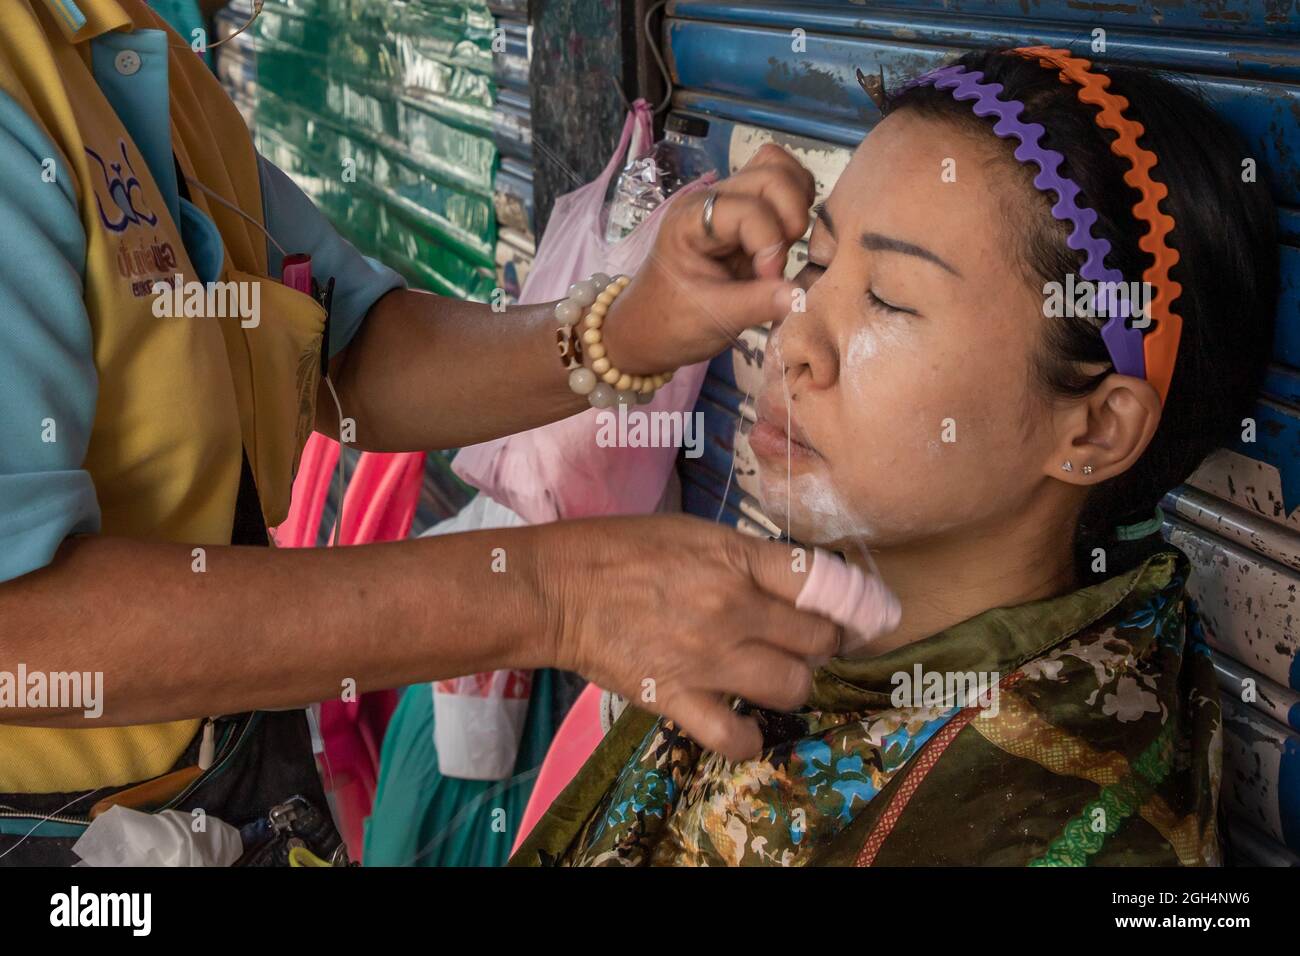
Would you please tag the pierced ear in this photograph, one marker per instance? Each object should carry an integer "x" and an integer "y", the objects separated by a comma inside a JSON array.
[{"x": 1106, "y": 432}]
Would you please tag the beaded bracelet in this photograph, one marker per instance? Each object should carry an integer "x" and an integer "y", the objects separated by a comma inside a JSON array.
[{"x": 602, "y": 383}]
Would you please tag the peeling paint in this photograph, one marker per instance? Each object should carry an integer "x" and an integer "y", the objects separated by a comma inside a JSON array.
[
  {"x": 1245, "y": 601},
  {"x": 824, "y": 161},
  {"x": 1247, "y": 482},
  {"x": 815, "y": 82},
  {"x": 1259, "y": 766}
]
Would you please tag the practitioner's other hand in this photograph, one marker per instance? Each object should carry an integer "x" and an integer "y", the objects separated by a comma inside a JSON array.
[
  {"x": 679, "y": 616},
  {"x": 696, "y": 292}
]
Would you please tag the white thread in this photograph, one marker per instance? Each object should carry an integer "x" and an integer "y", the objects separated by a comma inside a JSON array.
[
  {"x": 726, "y": 488},
  {"x": 46, "y": 818},
  {"x": 233, "y": 208},
  {"x": 828, "y": 515}
]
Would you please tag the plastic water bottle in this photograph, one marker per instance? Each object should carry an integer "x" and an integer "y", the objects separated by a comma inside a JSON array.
[{"x": 643, "y": 184}]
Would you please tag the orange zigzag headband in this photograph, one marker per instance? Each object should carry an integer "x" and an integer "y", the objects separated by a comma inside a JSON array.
[{"x": 1159, "y": 345}]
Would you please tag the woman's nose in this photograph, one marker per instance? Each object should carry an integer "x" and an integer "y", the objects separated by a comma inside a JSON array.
[{"x": 801, "y": 347}]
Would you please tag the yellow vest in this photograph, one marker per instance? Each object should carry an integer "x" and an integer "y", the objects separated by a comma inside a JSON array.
[{"x": 177, "y": 396}]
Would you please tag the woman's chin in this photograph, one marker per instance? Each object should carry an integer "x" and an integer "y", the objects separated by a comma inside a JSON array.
[
  {"x": 773, "y": 503},
  {"x": 809, "y": 512}
]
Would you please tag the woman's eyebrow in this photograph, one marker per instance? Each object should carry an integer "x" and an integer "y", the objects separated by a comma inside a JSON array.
[
  {"x": 820, "y": 212},
  {"x": 875, "y": 242}
]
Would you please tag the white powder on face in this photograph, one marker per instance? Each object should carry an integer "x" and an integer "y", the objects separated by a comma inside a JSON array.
[
  {"x": 871, "y": 341},
  {"x": 875, "y": 338},
  {"x": 826, "y": 513},
  {"x": 863, "y": 346},
  {"x": 810, "y": 499},
  {"x": 813, "y": 505}
]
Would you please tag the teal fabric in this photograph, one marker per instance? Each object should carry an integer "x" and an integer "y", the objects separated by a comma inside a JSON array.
[
  {"x": 32, "y": 827},
  {"x": 203, "y": 242},
  {"x": 421, "y": 818},
  {"x": 141, "y": 101},
  {"x": 298, "y": 226},
  {"x": 47, "y": 370},
  {"x": 71, "y": 14},
  {"x": 184, "y": 17}
]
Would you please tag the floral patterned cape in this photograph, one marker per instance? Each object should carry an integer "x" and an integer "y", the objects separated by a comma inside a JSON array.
[{"x": 1101, "y": 745}]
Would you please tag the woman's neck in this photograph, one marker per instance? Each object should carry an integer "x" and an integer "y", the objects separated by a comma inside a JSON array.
[{"x": 953, "y": 577}]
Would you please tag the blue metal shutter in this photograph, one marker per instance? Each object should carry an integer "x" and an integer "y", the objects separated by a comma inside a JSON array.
[{"x": 786, "y": 72}]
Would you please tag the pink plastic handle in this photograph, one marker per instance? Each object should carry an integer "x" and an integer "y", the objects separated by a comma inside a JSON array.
[
  {"x": 295, "y": 272},
  {"x": 858, "y": 602}
]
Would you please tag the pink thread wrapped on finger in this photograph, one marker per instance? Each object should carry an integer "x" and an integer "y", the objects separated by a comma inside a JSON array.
[{"x": 858, "y": 602}]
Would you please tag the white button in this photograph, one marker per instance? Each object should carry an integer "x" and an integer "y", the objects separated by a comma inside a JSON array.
[{"x": 127, "y": 62}]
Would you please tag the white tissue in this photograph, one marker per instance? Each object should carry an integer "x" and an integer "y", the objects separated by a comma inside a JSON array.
[{"x": 122, "y": 837}]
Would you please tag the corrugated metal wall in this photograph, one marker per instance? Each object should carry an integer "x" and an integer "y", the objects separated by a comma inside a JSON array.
[
  {"x": 398, "y": 95},
  {"x": 516, "y": 211},
  {"x": 236, "y": 61},
  {"x": 736, "y": 65},
  {"x": 387, "y": 114}
]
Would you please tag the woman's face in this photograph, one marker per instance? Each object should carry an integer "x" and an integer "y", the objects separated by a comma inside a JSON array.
[{"x": 907, "y": 376}]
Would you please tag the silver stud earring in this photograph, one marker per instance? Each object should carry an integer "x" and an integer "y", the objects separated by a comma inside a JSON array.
[
  {"x": 1067, "y": 466},
  {"x": 1087, "y": 469}
]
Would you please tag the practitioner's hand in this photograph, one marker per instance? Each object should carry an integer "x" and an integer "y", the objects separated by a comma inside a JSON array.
[
  {"x": 677, "y": 615},
  {"x": 696, "y": 292}
]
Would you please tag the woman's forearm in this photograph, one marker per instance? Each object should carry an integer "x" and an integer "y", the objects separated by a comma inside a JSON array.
[
  {"x": 266, "y": 628},
  {"x": 429, "y": 372}
]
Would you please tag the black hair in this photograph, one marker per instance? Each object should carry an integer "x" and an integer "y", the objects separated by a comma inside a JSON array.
[{"x": 1226, "y": 238}]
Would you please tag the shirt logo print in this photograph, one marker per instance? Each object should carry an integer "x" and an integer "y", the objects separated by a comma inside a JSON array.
[{"x": 126, "y": 196}]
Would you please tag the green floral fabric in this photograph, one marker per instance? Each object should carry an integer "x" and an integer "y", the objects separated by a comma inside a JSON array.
[{"x": 1095, "y": 741}]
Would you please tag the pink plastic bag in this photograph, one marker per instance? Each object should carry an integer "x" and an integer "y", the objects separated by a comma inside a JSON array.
[
  {"x": 379, "y": 505},
  {"x": 574, "y": 742},
  {"x": 558, "y": 471},
  {"x": 311, "y": 487}
]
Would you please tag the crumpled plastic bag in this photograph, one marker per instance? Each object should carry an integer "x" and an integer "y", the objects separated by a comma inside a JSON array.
[
  {"x": 478, "y": 720},
  {"x": 124, "y": 837}
]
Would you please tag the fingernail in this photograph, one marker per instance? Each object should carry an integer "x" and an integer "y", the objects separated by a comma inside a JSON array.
[
  {"x": 771, "y": 251},
  {"x": 783, "y": 298}
]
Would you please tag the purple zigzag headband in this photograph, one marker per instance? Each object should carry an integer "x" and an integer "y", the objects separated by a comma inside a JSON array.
[{"x": 1123, "y": 343}]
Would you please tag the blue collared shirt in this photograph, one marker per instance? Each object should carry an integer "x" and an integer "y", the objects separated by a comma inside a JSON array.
[{"x": 46, "y": 350}]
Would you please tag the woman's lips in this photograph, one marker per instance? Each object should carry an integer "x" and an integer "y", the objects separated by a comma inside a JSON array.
[{"x": 770, "y": 440}]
